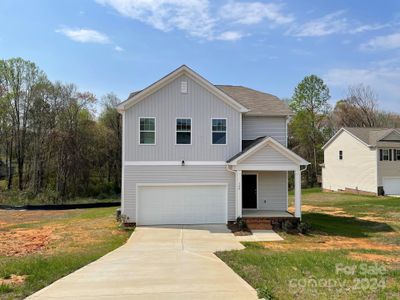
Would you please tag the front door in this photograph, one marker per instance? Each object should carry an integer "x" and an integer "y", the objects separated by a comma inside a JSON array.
[{"x": 249, "y": 191}]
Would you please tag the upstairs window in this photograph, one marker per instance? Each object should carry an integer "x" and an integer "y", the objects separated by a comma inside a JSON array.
[
  {"x": 341, "y": 155},
  {"x": 147, "y": 134},
  {"x": 396, "y": 154},
  {"x": 183, "y": 131},
  {"x": 384, "y": 154},
  {"x": 218, "y": 131}
]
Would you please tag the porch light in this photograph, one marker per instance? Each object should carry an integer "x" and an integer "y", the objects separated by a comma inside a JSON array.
[{"x": 182, "y": 163}]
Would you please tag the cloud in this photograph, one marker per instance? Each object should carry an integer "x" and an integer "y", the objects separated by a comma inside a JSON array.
[
  {"x": 254, "y": 12},
  {"x": 229, "y": 36},
  {"x": 83, "y": 35},
  {"x": 191, "y": 16},
  {"x": 368, "y": 27},
  {"x": 196, "y": 18},
  {"x": 384, "y": 42},
  {"x": 333, "y": 23},
  {"x": 326, "y": 25},
  {"x": 383, "y": 77},
  {"x": 118, "y": 48}
]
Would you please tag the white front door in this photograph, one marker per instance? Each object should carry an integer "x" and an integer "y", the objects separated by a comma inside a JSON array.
[
  {"x": 391, "y": 185},
  {"x": 181, "y": 204}
]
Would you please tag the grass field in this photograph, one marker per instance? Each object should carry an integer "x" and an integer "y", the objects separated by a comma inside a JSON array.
[
  {"x": 353, "y": 252},
  {"x": 38, "y": 247}
]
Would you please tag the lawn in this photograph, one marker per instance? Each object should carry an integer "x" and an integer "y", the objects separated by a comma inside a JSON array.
[
  {"x": 352, "y": 252},
  {"x": 39, "y": 247}
]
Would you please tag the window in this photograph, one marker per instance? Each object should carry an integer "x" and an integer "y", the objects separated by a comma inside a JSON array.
[
  {"x": 384, "y": 154},
  {"x": 218, "y": 131},
  {"x": 341, "y": 155},
  {"x": 183, "y": 131},
  {"x": 147, "y": 131},
  {"x": 396, "y": 154}
]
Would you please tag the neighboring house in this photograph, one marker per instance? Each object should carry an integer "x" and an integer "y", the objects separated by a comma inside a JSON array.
[
  {"x": 364, "y": 160},
  {"x": 194, "y": 152}
]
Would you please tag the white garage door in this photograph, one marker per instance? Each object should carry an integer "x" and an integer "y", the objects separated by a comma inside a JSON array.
[
  {"x": 391, "y": 185},
  {"x": 181, "y": 204}
]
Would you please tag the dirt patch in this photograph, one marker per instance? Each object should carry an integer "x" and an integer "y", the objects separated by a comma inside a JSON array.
[
  {"x": 21, "y": 242},
  {"x": 330, "y": 243},
  {"x": 13, "y": 280},
  {"x": 326, "y": 210},
  {"x": 375, "y": 257},
  {"x": 11, "y": 217}
]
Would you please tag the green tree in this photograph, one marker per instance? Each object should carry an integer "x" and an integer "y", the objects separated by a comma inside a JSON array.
[{"x": 307, "y": 127}]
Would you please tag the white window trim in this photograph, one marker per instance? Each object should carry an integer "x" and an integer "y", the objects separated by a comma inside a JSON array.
[
  {"x": 383, "y": 155},
  {"x": 155, "y": 131},
  {"x": 191, "y": 131},
  {"x": 226, "y": 131}
]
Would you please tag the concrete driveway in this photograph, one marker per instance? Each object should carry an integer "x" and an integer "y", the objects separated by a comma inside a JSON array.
[{"x": 174, "y": 262}]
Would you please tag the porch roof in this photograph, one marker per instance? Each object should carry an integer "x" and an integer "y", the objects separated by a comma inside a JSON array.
[{"x": 265, "y": 153}]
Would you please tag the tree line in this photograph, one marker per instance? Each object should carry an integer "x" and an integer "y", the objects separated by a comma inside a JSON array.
[{"x": 54, "y": 142}]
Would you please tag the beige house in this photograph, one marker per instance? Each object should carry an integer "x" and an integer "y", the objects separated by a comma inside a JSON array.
[{"x": 363, "y": 160}]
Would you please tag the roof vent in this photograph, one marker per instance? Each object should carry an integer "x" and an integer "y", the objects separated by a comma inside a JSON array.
[{"x": 184, "y": 87}]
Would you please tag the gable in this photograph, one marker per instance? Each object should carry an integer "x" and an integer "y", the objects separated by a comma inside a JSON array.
[
  {"x": 343, "y": 134},
  {"x": 169, "y": 100},
  {"x": 270, "y": 156},
  {"x": 183, "y": 70},
  {"x": 393, "y": 136}
]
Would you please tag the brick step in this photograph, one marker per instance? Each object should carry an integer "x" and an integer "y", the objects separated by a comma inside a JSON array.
[{"x": 258, "y": 223}]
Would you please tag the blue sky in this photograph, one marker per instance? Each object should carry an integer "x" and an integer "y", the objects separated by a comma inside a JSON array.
[{"x": 124, "y": 45}]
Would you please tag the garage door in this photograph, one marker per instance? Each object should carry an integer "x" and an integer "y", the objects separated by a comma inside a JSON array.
[
  {"x": 181, "y": 204},
  {"x": 391, "y": 185}
]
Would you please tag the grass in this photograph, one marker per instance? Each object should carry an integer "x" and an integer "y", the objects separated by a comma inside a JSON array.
[
  {"x": 358, "y": 232},
  {"x": 70, "y": 239}
]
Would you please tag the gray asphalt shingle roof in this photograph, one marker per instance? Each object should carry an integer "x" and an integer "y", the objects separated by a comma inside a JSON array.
[
  {"x": 370, "y": 136},
  {"x": 259, "y": 103}
]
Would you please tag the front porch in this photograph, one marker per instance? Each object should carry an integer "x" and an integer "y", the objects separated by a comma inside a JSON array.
[
  {"x": 261, "y": 173},
  {"x": 262, "y": 213}
]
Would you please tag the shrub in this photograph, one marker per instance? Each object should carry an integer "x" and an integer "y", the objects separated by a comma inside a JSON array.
[
  {"x": 265, "y": 293},
  {"x": 304, "y": 227},
  {"x": 288, "y": 225},
  {"x": 241, "y": 223}
]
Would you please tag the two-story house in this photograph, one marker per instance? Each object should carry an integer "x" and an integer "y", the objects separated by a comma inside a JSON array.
[
  {"x": 194, "y": 153},
  {"x": 363, "y": 160}
]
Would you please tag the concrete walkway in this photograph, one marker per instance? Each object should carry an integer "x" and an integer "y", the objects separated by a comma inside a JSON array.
[{"x": 174, "y": 262}]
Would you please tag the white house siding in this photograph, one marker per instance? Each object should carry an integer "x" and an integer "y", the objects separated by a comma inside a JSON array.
[
  {"x": 254, "y": 127},
  {"x": 272, "y": 190},
  {"x": 270, "y": 157},
  {"x": 387, "y": 169},
  {"x": 357, "y": 170},
  {"x": 166, "y": 105},
  {"x": 175, "y": 174}
]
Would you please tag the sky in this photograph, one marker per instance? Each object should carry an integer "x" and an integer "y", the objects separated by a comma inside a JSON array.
[{"x": 121, "y": 46}]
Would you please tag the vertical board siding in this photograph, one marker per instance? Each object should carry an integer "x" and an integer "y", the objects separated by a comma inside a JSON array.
[
  {"x": 272, "y": 190},
  {"x": 255, "y": 127},
  {"x": 166, "y": 105},
  {"x": 175, "y": 174}
]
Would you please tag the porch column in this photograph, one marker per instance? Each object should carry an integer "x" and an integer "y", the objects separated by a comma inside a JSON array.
[
  {"x": 238, "y": 193},
  {"x": 297, "y": 194}
]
